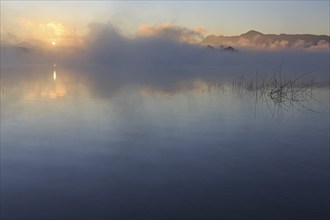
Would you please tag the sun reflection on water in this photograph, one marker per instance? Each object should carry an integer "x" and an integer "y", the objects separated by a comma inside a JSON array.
[{"x": 48, "y": 89}]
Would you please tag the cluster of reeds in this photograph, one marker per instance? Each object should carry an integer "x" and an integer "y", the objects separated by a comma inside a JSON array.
[{"x": 278, "y": 88}]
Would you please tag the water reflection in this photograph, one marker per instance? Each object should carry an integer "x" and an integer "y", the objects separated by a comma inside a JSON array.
[
  {"x": 44, "y": 88},
  {"x": 35, "y": 84},
  {"x": 112, "y": 147},
  {"x": 98, "y": 83},
  {"x": 54, "y": 72}
]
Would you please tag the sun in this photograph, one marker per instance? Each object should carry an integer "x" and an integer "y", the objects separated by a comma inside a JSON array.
[{"x": 53, "y": 43}]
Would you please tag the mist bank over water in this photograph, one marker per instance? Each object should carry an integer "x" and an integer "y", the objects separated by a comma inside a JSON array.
[{"x": 156, "y": 55}]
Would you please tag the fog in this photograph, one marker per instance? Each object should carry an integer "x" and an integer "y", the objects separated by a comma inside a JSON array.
[{"x": 162, "y": 56}]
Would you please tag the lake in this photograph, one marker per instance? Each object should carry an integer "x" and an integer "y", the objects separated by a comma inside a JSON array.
[{"x": 93, "y": 143}]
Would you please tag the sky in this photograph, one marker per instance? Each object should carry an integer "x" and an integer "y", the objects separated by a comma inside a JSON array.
[{"x": 27, "y": 18}]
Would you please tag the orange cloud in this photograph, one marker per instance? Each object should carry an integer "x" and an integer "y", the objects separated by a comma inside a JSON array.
[
  {"x": 172, "y": 32},
  {"x": 200, "y": 30}
]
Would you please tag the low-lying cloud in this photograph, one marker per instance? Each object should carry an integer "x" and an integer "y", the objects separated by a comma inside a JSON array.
[
  {"x": 159, "y": 45},
  {"x": 160, "y": 56},
  {"x": 172, "y": 32}
]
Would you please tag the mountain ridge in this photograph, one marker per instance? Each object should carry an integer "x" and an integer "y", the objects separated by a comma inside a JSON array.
[{"x": 257, "y": 39}]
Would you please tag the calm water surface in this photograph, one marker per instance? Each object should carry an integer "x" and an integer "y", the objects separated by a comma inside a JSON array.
[{"x": 83, "y": 145}]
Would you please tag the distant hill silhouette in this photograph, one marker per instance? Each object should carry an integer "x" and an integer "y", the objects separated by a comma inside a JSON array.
[
  {"x": 222, "y": 48},
  {"x": 24, "y": 46},
  {"x": 259, "y": 40}
]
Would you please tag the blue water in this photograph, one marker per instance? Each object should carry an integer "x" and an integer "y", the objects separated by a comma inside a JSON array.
[{"x": 81, "y": 145}]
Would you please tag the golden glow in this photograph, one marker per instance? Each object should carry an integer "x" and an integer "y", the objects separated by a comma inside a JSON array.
[
  {"x": 54, "y": 75},
  {"x": 52, "y": 28},
  {"x": 47, "y": 32},
  {"x": 54, "y": 89},
  {"x": 50, "y": 92}
]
